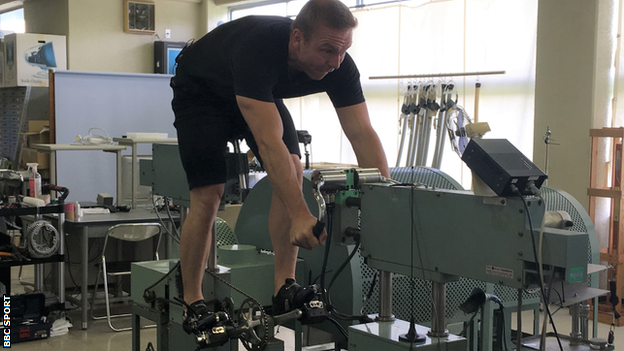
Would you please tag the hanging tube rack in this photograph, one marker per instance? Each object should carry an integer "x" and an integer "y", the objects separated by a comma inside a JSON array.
[
  {"x": 420, "y": 113},
  {"x": 485, "y": 73}
]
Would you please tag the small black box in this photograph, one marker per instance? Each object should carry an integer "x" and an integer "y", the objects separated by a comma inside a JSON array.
[
  {"x": 165, "y": 53},
  {"x": 26, "y": 313},
  {"x": 27, "y": 332},
  {"x": 499, "y": 164}
]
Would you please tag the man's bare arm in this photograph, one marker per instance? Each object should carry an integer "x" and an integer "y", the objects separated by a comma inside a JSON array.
[
  {"x": 356, "y": 124},
  {"x": 266, "y": 126}
]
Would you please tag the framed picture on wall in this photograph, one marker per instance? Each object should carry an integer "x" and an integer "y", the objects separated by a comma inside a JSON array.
[{"x": 139, "y": 17}]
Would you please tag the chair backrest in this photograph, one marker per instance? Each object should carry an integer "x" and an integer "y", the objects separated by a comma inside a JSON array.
[{"x": 134, "y": 232}]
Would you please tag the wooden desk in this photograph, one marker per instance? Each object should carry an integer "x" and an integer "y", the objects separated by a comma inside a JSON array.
[
  {"x": 95, "y": 226},
  {"x": 133, "y": 144},
  {"x": 53, "y": 148}
]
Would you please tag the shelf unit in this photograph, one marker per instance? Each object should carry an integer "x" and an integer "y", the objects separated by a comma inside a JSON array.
[
  {"x": 58, "y": 258},
  {"x": 613, "y": 254}
]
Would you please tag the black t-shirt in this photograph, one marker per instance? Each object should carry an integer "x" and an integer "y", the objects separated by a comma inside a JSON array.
[{"x": 248, "y": 57}]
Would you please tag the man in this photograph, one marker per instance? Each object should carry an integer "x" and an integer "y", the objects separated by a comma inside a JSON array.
[{"x": 230, "y": 84}]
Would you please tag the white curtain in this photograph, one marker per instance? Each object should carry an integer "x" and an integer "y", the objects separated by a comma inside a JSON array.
[
  {"x": 436, "y": 37},
  {"x": 609, "y": 109}
]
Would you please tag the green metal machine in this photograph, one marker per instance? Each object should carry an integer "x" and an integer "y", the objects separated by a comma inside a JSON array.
[
  {"x": 433, "y": 234},
  {"x": 441, "y": 235}
]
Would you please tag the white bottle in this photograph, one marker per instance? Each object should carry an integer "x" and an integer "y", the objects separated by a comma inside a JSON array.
[
  {"x": 34, "y": 182},
  {"x": 77, "y": 211}
]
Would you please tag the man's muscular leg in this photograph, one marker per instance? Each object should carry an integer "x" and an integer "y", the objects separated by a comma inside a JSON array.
[
  {"x": 279, "y": 228},
  {"x": 196, "y": 238}
]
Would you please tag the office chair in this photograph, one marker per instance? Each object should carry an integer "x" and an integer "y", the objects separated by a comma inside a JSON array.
[{"x": 130, "y": 232}]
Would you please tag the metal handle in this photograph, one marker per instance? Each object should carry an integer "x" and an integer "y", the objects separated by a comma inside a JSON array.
[{"x": 318, "y": 228}]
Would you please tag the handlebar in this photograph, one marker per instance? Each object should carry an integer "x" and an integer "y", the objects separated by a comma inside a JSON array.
[{"x": 59, "y": 189}]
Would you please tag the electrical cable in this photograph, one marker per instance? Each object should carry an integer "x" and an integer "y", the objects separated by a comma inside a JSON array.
[
  {"x": 370, "y": 292},
  {"x": 325, "y": 292},
  {"x": 71, "y": 276},
  {"x": 94, "y": 139},
  {"x": 162, "y": 278},
  {"x": 69, "y": 263},
  {"x": 545, "y": 323},
  {"x": 502, "y": 308},
  {"x": 328, "y": 240},
  {"x": 340, "y": 327},
  {"x": 414, "y": 236},
  {"x": 311, "y": 156},
  {"x": 412, "y": 279},
  {"x": 176, "y": 239},
  {"x": 540, "y": 261},
  {"x": 466, "y": 324},
  {"x": 175, "y": 228},
  {"x": 515, "y": 190},
  {"x": 344, "y": 264}
]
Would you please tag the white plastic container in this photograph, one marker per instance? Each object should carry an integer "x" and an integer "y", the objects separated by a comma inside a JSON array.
[
  {"x": 34, "y": 181},
  {"x": 77, "y": 210}
]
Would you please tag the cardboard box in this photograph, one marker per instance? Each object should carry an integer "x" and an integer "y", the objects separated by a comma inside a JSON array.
[
  {"x": 33, "y": 156},
  {"x": 38, "y": 133},
  {"x": 29, "y": 56}
]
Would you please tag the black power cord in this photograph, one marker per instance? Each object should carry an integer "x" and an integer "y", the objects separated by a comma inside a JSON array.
[
  {"x": 515, "y": 190},
  {"x": 502, "y": 308},
  {"x": 328, "y": 240},
  {"x": 325, "y": 293},
  {"x": 148, "y": 293},
  {"x": 344, "y": 264}
]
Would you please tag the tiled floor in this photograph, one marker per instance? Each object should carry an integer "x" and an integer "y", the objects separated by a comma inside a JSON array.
[{"x": 100, "y": 338}]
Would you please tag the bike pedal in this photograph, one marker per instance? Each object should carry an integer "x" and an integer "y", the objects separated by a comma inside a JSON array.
[
  {"x": 214, "y": 337},
  {"x": 314, "y": 311}
]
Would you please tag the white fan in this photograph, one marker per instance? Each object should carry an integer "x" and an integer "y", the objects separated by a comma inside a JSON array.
[{"x": 456, "y": 126}]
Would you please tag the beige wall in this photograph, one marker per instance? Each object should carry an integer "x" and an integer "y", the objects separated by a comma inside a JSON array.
[
  {"x": 94, "y": 28},
  {"x": 46, "y": 16},
  {"x": 571, "y": 87}
]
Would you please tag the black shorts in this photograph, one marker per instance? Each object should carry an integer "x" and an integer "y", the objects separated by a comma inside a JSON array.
[{"x": 203, "y": 133}]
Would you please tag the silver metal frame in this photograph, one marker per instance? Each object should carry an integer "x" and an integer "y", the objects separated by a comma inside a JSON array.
[{"x": 131, "y": 232}]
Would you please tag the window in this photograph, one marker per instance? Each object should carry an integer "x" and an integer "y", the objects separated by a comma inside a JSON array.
[
  {"x": 284, "y": 8},
  {"x": 12, "y": 22},
  {"x": 428, "y": 37}
]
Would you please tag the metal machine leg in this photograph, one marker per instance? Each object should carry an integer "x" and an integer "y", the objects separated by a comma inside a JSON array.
[
  {"x": 575, "y": 334},
  {"x": 584, "y": 315},
  {"x": 385, "y": 297},
  {"x": 61, "y": 265},
  {"x": 438, "y": 312},
  {"x": 39, "y": 273},
  {"x": 212, "y": 256},
  {"x": 183, "y": 214},
  {"x": 242, "y": 180},
  {"x": 519, "y": 317}
]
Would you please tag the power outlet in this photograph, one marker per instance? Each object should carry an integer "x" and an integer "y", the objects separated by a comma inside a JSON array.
[{"x": 167, "y": 33}]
